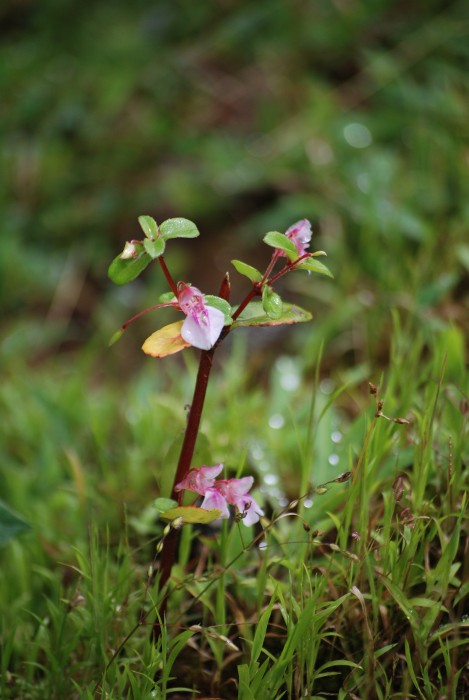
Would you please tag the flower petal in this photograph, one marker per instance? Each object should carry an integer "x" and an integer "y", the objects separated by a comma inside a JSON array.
[
  {"x": 199, "y": 480},
  {"x": 202, "y": 329},
  {"x": 251, "y": 509},
  {"x": 214, "y": 499},
  {"x": 300, "y": 234},
  {"x": 190, "y": 299},
  {"x": 235, "y": 489}
]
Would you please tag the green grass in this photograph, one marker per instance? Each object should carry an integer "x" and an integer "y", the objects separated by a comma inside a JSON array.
[{"x": 317, "y": 610}]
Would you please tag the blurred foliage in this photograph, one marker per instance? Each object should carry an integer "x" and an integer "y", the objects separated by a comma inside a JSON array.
[{"x": 242, "y": 117}]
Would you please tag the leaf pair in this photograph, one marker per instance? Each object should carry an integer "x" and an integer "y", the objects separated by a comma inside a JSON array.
[{"x": 137, "y": 255}]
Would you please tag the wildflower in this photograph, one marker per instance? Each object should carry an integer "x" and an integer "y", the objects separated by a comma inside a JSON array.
[
  {"x": 300, "y": 234},
  {"x": 235, "y": 493},
  {"x": 204, "y": 323},
  {"x": 215, "y": 499},
  {"x": 200, "y": 480},
  {"x": 220, "y": 494}
]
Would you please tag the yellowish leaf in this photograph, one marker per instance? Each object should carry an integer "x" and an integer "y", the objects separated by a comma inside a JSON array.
[
  {"x": 191, "y": 514},
  {"x": 166, "y": 341}
]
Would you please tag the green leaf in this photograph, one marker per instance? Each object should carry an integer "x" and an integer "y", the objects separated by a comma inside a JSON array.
[
  {"x": 166, "y": 297},
  {"x": 254, "y": 315},
  {"x": 123, "y": 270},
  {"x": 247, "y": 270},
  {"x": 314, "y": 266},
  {"x": 192, "y": 514},
  {"x": 11, "y": 524},
  {"x": 162, "y": 504},
  {"x": 148, "y": 226},
  {"x": 261, "y": 630},
  {"x": 220, "y": 304},
  {"x": 279, "y": 240},
  {"x": 401, "y": 600},
  {"x": 154, "y": 247},
  {"x": 115, "y": 337},
  {"x": 271, "y": 303},
  {"x": 178, "y": 228}
]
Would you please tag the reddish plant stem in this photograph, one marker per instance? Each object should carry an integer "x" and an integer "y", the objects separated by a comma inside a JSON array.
[
  {"x": 142, "y": 313},
  {"x": 193, "y": 420},
  {"x": 170, "y": 542},
  {"x": 288, "y": 267},
  {"x": 168, "y": 275},
  {"x": 255, "y": 291}
]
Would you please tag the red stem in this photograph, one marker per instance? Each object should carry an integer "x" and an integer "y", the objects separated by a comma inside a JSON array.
[
  {"x": 145, "y": 311},
  {"x": 170, "y": 542},
  {"x": 168, "y": 275},
  {"x": 255, "y": 291},
  {"x": 288, "y": 267},
  {"x": 193, "y": 421}
]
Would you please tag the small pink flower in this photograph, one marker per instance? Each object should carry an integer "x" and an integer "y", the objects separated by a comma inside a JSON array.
[
  {"x": 300, "y": 234},
  {"x": 220, "y": 494},
  {"x": 199, "y": 480},
  {"x": 250, "y": 508},
  {"x": 235, "y": 491},
  {"x": 204, "y": 323},
  {"x": 214, "y": 499}
]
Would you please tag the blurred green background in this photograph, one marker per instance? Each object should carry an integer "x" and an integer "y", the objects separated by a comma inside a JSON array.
[{"x": 243, "y": 117}]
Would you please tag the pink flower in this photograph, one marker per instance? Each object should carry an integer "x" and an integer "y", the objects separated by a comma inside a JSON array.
[
  {"x": 300, "y": 234},
  {"x": 199, "y": 480},
  {"x": 214, "y": 499},
  {"x": 235, "y": 493},
  {"x": 220, "y": 494},
  {"x": 204, "y": 323}
]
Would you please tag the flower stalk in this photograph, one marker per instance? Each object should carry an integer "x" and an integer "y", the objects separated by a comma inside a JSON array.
[{"x": 208, "y": 320}]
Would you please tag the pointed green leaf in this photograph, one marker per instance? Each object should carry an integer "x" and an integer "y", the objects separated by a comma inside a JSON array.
[
  {"x": 127, "y": 268},
  {"x": 178, "y": 228},
  {"x": 314, "y": 266},
  {"x": 261, "y": 630},
  {"x": 271, "y": 303},
  {"x": 191, "y": 514},
  {"x": 148, "y": 226},
  {"x": 247, "y": 270},
  {"x": 154, "y": 247},
  {"x": 254, "y": 315},
  {"x": 220, "y": 304},
  {"x": 279, "y": 240},
  {"x": 401, "y": 600},
  {"x": 11, "y": 524},
  {"x": 115, "y": 337}
]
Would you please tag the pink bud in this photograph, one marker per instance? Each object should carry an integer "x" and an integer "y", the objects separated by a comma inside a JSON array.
[
  {"x": 300, "y": 234},
  {"x": 130, "y": 251}
]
